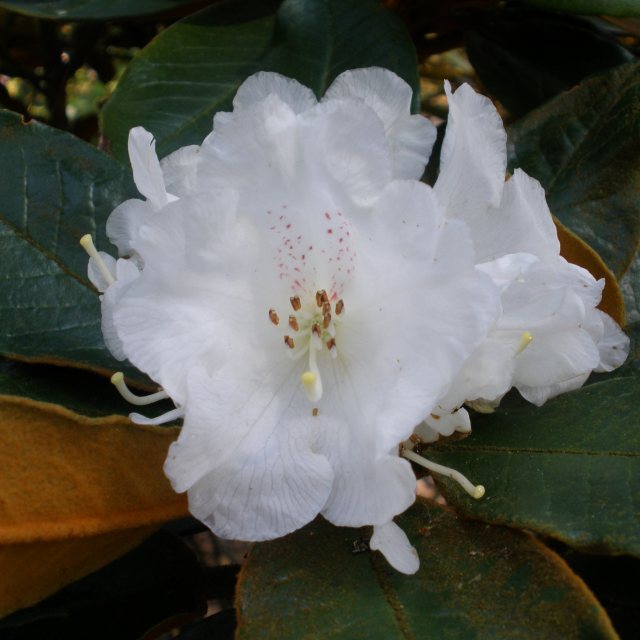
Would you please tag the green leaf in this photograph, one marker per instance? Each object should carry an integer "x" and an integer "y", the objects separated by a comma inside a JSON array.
[
  {"x": 569, "y": 469},
  {"x": 83, "y": 392},
  {"x": 193, "y": 69},
  {"x": 584, "y": 147},
  {"x": 54, "y": 189},
  {"x": 592, "y": 7},
  {"x": 504, "y": 48},
  {"x": 475, "y": 581},
  {"x": 93, "y": 9}
]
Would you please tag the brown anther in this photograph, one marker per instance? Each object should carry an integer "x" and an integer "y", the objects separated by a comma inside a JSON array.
[
  {"x": 326, "y": 307},
  {"x": 273, "y": 316},
  {"x": 293, "y": 323},
  {"x": 316, "y": 329},
  {"x": 314, "y": 411},
  {"x": 415, "y": 439},
  {"x": 435, "y": 417},
  {"x": 324, "y": 297},
  {"x": 288, "y": 340},
  {"x": 319, "y": 298},
  {"x": 339, "y": 307},
  {"x": 295, "y": 302},
  {"x": 326, "y": 321},
  {"x": 331, "y": 344}
]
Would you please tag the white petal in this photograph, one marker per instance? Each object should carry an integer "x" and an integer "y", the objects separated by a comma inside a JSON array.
[
  {"x": 394, "y": 545},
  {"x": 411, "y": 137},
  {"x": 95, "y": 275},
  {"x": 146, "y": 168},
  {"x": 613, "y": 346},
  {"x": 473, "y": 159},
  {"x": 539, "y": 395},
  {"x": 522, "y": 223},
  {"x": 123, "y": 225},
  {"x": 245, "y": 453},
  {"x": 436, "y": 424},
  {"x": 179, "y": 170},
  {"x": 265, "y": 83}
]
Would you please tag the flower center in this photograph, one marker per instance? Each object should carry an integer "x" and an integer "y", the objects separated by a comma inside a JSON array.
[{"x": 312, "y": 329}]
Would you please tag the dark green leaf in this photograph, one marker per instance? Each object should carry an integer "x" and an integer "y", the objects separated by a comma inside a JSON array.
[
  {"x": 593, "y": 7},
  {"x": 193, "y": 69},
  {"x": 159, "y": 579},
  {"x": 220, "y": 626},
  {"x": 94, "y": 9},
  {"x": 475, "y": 581},
  {"x": 504, "y": 48},
  {"x": 83, "y": 392},
  {"x": 584, "y": 147},
  {"x": 54, "y": 189},
  {"x": 569, "y": 469}
]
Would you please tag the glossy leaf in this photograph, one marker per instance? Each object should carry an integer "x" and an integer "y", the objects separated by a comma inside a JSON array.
[
  {"x": 475, "y": 581},
  {"x": 504, "y": 48},
  {"x": 569, "y": 469},
  {"x": 94, "y": 9},
  {"x": 592, "y": 7},
  {"x": 193, "y": 69},
  {"x": 584, "y": 147},
  {"x": 76, "y": 492},
  {"x": 54, "y": 189}
]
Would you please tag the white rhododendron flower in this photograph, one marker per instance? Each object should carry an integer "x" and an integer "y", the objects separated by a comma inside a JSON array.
[
  {"x": 302, "y": 299},
  {"x": 550, "y": 336}
]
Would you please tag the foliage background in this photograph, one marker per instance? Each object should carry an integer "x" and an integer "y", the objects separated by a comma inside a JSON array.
[{"x": 551, "y": 552}]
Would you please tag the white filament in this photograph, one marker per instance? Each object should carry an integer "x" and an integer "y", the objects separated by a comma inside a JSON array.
[{"x": 117, "y": 380}]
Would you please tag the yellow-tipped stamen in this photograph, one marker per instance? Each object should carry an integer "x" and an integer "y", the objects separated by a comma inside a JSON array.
[
  {"x": 117, "y": 380},
  {"x": 525, "y": 341},
  {"x": 475, "y": 491},
  {"x": 86, "y": 242},
  {"x": 310, "y": 379}
]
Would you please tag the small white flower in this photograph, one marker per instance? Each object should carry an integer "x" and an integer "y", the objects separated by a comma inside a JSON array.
[
  {"x": 303, "y": 306},
  {"x": 550, "y": 335}
]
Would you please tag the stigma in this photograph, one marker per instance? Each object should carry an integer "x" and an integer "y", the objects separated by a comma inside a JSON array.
[{"x": 311, "y": 330}]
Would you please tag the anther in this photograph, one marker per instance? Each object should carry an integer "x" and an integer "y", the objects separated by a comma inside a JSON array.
[
  {"x": 86, "y": 242},
  {"x": 326, "y": 307},
  {"x": 314, "y": 411},
  {"x": 326, "y": 321},
  {"x": 324, "y": 297},
  {"x": 273, "y": 316},
  {"x": 475, "y": 491},
  {"x": 339, "y": 307},
  {"x": 295, "y": 302},
  {"x": 525, "y": 340},
  {"x": 319, "y": 298},
  {"x": 288, "y": 340},
  {"x": 117, "y": 380},
  {"x": 293, "y": 323},
  {"x": 316, "y": 329}
]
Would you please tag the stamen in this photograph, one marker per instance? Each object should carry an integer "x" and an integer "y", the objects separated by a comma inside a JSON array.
[
  {"x": 86, "y": 242},
  {"x": 314, "y": 411},
  {"x": 288, "y": 340},
  {"x": 316, "y": 329},
  {"x": 475, "y": 491},
  {"x": 293, "y": 323},
  {"x": 324, "y": 297},
  {"x": 525, "y": 341},
  {"x": 273, "y": 316},
  {"x": 295, "y": 302},
  {"x": 333, "y": 350},
  {"x": 170, "y": 416},
  {"x": 326, "y": 308},
  {"x": 326, "y": 321},
  {"x": 319, "y": 298},
  {"x": 339, "y": 307},
  {"x": 117, "y": 380}
]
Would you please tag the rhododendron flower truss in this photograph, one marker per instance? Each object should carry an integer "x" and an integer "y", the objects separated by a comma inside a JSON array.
[
  {"x": 550, "y": 335},
  {"x": 303, "y": 300}
]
